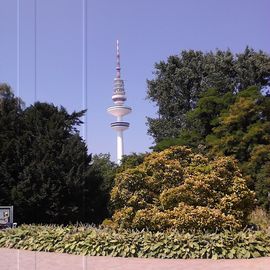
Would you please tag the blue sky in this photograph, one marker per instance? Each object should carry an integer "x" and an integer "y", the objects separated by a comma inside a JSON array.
[{"x": 148, "y": 31}]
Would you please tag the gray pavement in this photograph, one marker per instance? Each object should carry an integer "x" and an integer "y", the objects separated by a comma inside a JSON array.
[{"x": 12, "y": 259}]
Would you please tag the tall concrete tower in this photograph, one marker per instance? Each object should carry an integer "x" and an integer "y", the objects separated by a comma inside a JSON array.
[{"x": 118, "y": 109}]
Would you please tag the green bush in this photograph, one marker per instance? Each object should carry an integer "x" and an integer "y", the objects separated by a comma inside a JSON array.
[
  {"x": 261, "y": 219},
  {"x": 83, "y": 240},
  {"x": 177, "y": 189}
]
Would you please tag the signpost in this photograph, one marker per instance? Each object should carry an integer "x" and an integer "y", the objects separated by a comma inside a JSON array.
[{"x": 6, "y": 217}]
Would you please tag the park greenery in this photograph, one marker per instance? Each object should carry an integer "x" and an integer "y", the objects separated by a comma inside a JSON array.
[
  {"x": 181, "y": 81},
  {"x": 205, "y": 181},
  {"x": 177, "y": 189},
  {"x": 218, "y": 104},
  {"x": 45, "y": 169},
  {"x": 87, "y": 240}
]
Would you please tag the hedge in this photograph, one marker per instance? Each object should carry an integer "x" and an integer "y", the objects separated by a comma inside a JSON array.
[{"x": 87, "y": 240}]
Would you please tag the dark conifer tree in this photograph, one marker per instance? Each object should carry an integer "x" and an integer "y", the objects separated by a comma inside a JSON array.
[{"x": 45, "y": 168}]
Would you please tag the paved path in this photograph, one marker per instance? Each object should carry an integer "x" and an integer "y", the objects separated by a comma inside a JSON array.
[{"x": 12, "y": 259}]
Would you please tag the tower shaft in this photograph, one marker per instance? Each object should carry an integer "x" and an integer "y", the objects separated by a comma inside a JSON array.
[
  {"x": 119, "y": 110},
  {"x": 120, "y": 146}
]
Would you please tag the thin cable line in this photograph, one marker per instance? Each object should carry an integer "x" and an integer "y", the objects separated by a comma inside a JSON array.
[
  {"x": 84, "y": 68},
  {"x": 35, "y": 50},
  {"x": 18, "y": 49}
]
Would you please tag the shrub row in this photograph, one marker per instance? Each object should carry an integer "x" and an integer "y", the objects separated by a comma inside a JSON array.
[
  {"x": 86, "y": 240},
  {"x": 182, "y": 190}
]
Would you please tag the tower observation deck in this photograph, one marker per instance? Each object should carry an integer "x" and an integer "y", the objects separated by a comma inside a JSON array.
[{"x": 119, "y": 110}]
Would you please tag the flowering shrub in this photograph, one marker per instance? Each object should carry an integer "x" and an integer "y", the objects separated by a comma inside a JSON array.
[{"x": 178, "y": 189}]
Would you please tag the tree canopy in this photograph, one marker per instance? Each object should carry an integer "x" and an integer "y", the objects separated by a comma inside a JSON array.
[
  {"x": 218, "y": 104},
  {"x": 182, "y": 80},
  {"x": 179, "y": 189},
  {"x": 235, "y": 125},
  {"x": 46, "y": 171},
  {"x": 243, "y": 131}
]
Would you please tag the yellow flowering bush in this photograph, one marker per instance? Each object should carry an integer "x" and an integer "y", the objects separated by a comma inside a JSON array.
[{"x": 177, "y": 189}]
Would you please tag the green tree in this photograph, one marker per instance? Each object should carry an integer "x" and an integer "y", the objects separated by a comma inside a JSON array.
[
  {"x": 243, "y": 131},
  {"x": 178, "y": 189},
  {"x": 11, "y": 126},
  {"x": 54, "y": 182},
  {"x": 252, "y": 68},
  {"x": 45, "y": 170},
  {"x": 104, "y": 170},
  {"x": 233, "y": 125},
  {"x": 200, "y": 121},
  {"x": 245, "y": 124},
  {"x": 262, "y": 187},
  {"x": 181, "y": 81},
  {"x": 130, "y": 161}
]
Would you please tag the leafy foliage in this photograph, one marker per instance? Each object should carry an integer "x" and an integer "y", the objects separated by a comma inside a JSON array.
[
  {"x": 45, "y": 169},
  {"x": 103, "y": 170},
  {"x": 120, "y": 243},
  {"x": 243, "y": 131},
  {"x": 200, "y": 121},
  {"x": 261, "y": 219},
  {"x": 130, "y": 161},
  {"x": 10, "y": 130},
  {"x": 178, "y": 189},
  {"x": 245, "y": 123},
  {"x": 235, "y": 125},
  {"x": 180, "y": 82}
]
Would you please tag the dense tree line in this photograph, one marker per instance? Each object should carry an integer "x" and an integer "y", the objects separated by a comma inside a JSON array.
[
  {"x": 45, "y": 169},
  {"x": 179, "y": 83},
  {"x": 217, "y": 104}
]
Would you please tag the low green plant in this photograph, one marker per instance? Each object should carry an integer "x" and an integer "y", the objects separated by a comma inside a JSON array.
[
  {"x": 261, "y": 219},
  {"x": 87, "y": 240}
]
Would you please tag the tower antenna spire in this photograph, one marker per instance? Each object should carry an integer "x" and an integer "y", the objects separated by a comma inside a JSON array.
[
  {"x": 119, "y": 110},
  {"x": 117, "y": 60}
]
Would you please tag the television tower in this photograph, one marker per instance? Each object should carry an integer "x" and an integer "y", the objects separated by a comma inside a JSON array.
[{"x": 119, "y": 110}]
